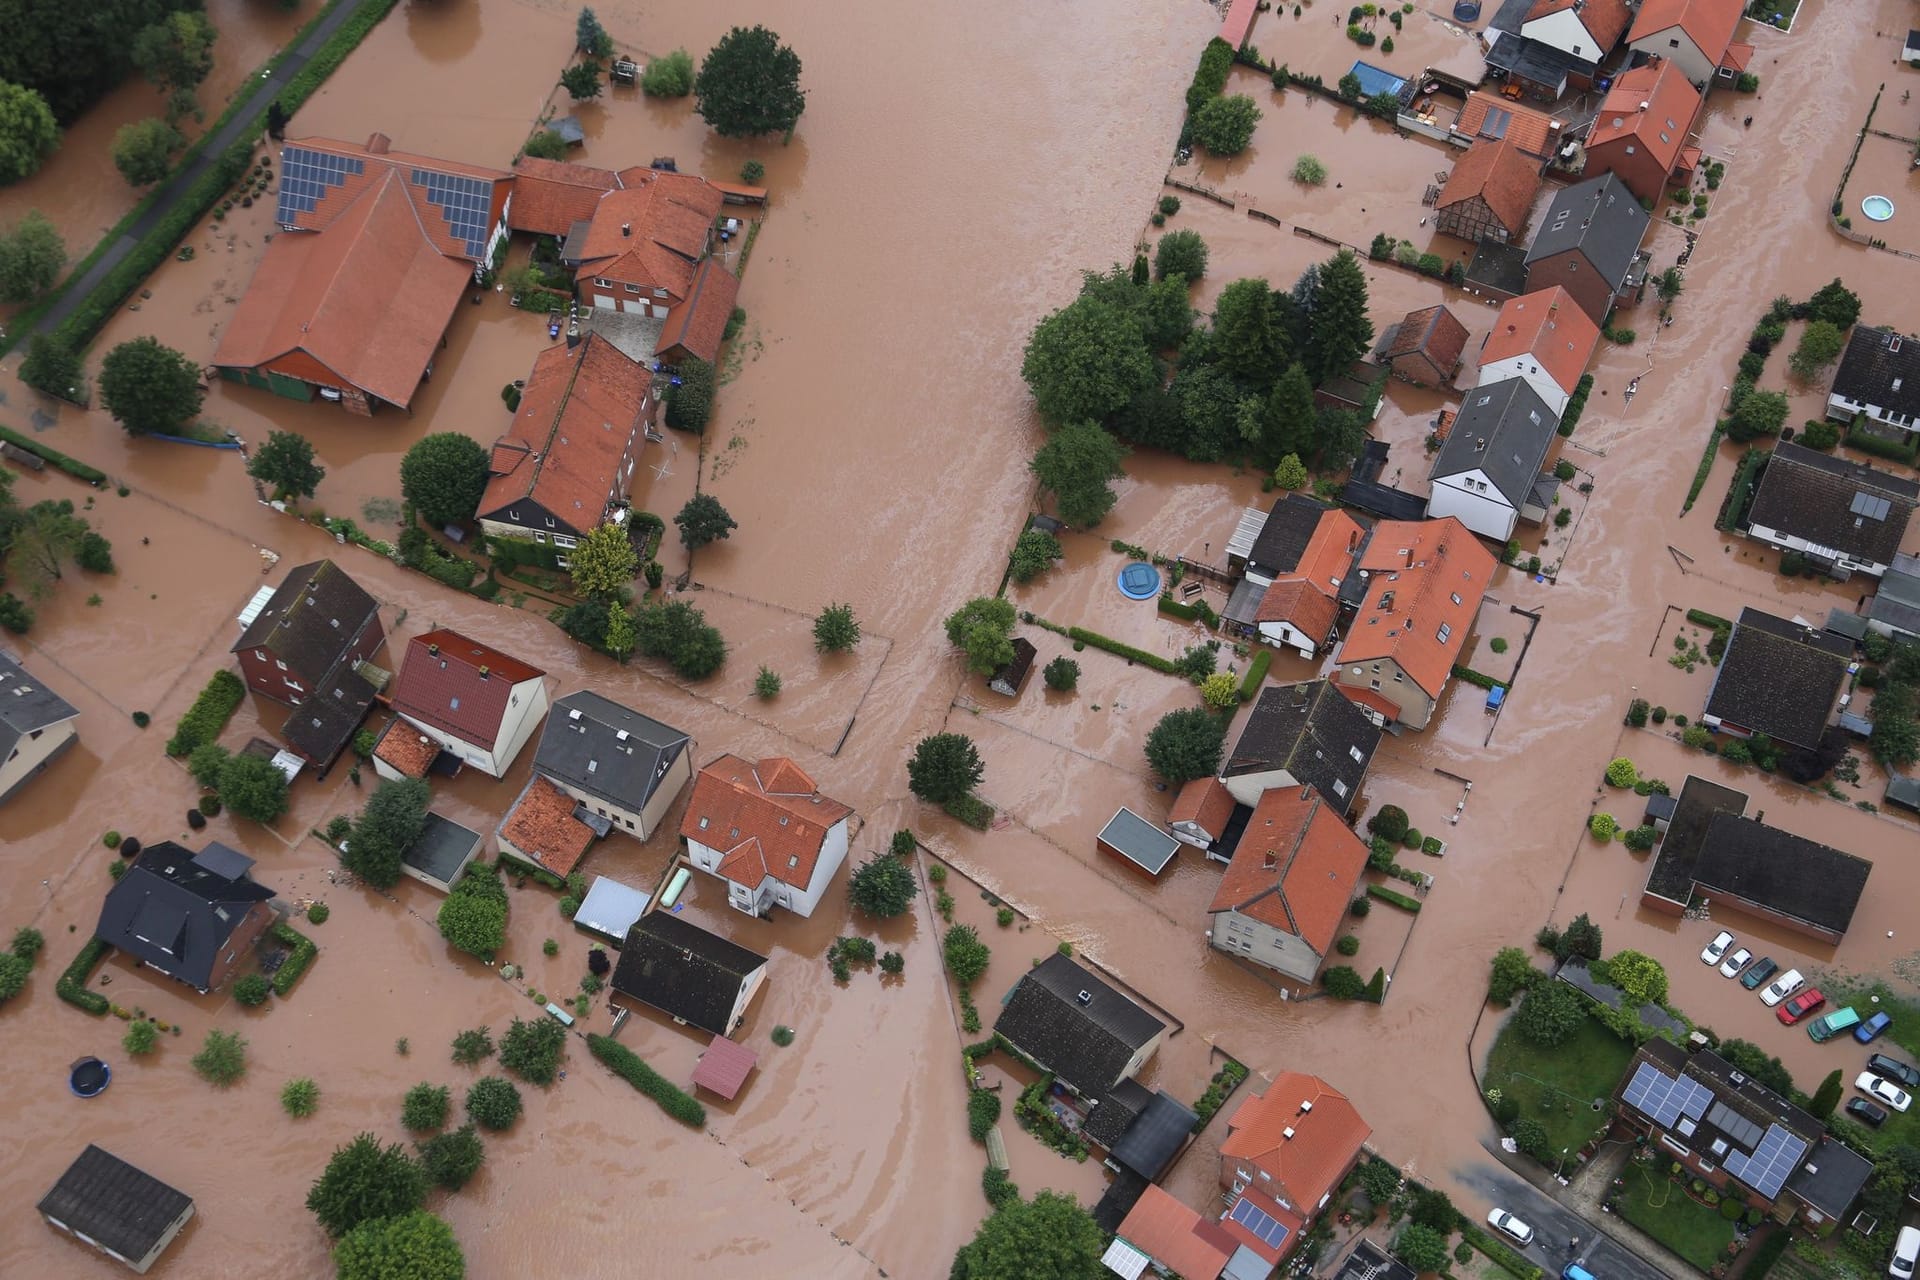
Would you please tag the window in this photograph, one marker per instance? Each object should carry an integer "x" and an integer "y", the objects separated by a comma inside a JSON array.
[
  {"x": 1455, "y": 597},
  {"x": 539, "y": 537},
  {"x": 1340, "y": 788},
  {"x": 279, "y": 664},
  {"x": 562, "y": 540},
  {"x": 659, "y": 293},
  {"x": 1629, "y": 148},
  {"x": 513, "y": 513},
  {"x": 602, "y": 282},
  {"x": 1355, "y": 752},
  {"x": 703, "y": 824},
  {"x": 1399, "y": 677},
  {"x": 1373, "y": 684},
  {"x": 633, "y": 288},
  {"x": 260, "y": 655},
  {"x": 1674, "y": 43},
  {"x": 1446, "y": 632},
  {"x": 549, "y": 522}
]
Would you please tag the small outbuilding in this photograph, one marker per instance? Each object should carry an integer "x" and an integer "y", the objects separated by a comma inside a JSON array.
[
  {"x": 1009, "y": 679},
  {"x": 1424, "y": 348},
  {"x": 610, "y": 909},
  {"x": 441, "y": 853},
  {"x": 724, "y": 1067},
  {"x": 126, "y": 1214},
  {"x": 1132, "y": 839}
]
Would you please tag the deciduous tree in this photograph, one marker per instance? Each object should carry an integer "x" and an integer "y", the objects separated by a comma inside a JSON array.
[
  {"x": 531, "y": 1050},
  {"x": 28, "y": 133},
  {"x": 836, "y": 630},
  {"x": 668, "y": 76},
  {"x": 883, "y": 887},
  {"x": 286, "y": 463},
  {"x": 1049, "y": 1237},
  {"x": 983, "y": 626},
  {"x": 44, "y": 538},
  {"x": 443, "y": 476},
  {"x": 1291, "y": 474},
  {"x": 365, "y": 1182},
  {"x": 451, "y": 1159},
  {"x": 1639, "y": 976},
  {"x": 1185, "y": 745},
  {"x": 581, "y": 81},
  {"x": 52, "y": 366},
  {"x": 177, "y": 51},
  {"x": 412, "y": 1246},
  {"x": 1078, "y": 464},
  {"x": 703, "y": 520},
  {"x": 1180, "y": 253},
  {"x": 1225, "y": 125},
  {"x": 392, "y": 820},
  {"x": 493, "y": 1102},
  {"x": 965, "y": 954},
  {"x": 1085, "y": 361},
  {"x": 604, "y": 563},
  {"x": 1512, "y": 974},
  {"x": 143, "y": 151},
  {"x": 1833, "y": 302},
  {"x": 749, "y": 84},
  {"x": 31, "y": 258},
  {"x": 253, "y": 788},
  {"x": 944, "y": 767},
  {"x": 1820, "y": 345},
  {"x": 149, "y": 387},
  {"x": 1422, "y": 1248},
  {"x": 1550, "y": 1014}
]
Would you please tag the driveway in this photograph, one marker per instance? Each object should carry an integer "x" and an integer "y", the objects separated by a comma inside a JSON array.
[{"x": 1553, "y": 1226}]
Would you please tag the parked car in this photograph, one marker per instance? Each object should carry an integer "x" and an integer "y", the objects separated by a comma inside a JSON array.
[
  {"x": 1800, "y": 1006},
  {"x": 1865, "y": 1112},
  {"x": 1828, "y": 1025},
  {"x": 1758, "y": 972},
  {"x": 1502, "y": 1221},
  {"x": 1904, "y": 1074},
  {"x": 1733, "y": 964},
  {"x": 1873, "y": 1028},
  {"x": 1782, "y": 987},
  {"x": 1883, "y": 1090},
  {"x": 1717, "y": 948},
  {"x": 1906, "y": 1250}
]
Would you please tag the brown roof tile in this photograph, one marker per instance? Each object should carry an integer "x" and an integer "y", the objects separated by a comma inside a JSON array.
[
  {"x": 697, "y": 325},
  {"x": 406, "y": 749},
  {"x": 1310, "y": 610},
  {"x": 771, "y": 806},
  {"x": 441, "y": 685},
  {"x": 1327, "y": 1136},
  {"x": 542, "y": 826},
  {"x": 1206, "y": 803},
  {"x": 1434, "y": 331},
  {"x": 1710, "y": 24},
  {"x": 1418, "y": 568},
  {"x": 549, "y": 196},
  {"x": 1532, "y": 131},
  {"x": 1651, "y": 106},
  {"x": 1168, "y": 1232},
  {"x": 1500, "y": 173},
  {"x": 377, "y": 164},
  {"x": 1296, "y": 867},
  {"x": 652, "y": 231},
  {"x": 1549, "y": 326}
]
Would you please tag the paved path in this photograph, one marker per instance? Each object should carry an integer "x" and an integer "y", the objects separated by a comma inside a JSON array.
[
  {"x": 1555, "y": 1223},
  {"x": 262, "y": 91}
]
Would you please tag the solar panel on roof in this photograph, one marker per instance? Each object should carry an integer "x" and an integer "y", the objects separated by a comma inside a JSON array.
[
  {"x": 1263, "y": 1225},
  {"x": 1736, "y": 1126},
  {"x": 307, "y": 175},
  {"x": 464, "y": 202},
  {"x": 1771, "y": 1163},
  {"x": 1865, "y": 504},
  {"x": 1495, "y": 125}
]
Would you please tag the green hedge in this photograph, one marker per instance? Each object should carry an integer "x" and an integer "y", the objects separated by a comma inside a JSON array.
[
  {"x": 1473, "y": 677},
  {"x": 1706, "y": 465},
  {"x": 1711, "y": 621},
  {"x": 297, "y": 960},
  {"x": 628, "y": 1065},
  {"x": 72, "y": 984},
  {"x": 1210, "y": 77},
  {"x": 209, "y": 713},
  {"x": 1256, "y": 672},
  {"x": 1113, "y": 646},
  {"x": 1501, "y": 1256},
  {"x": 1762, "y": 1259},
  {"x": 72, "y": 466},
  {"x": 1200, "y": 611},
  {"x": 1740, "y": 492},
  {"x": 512, "y": 865},
  {"x": 972, "y": 810},
  {"x": 1385, "y": 894},
  {"x": 1883, "y": 448},
  {"x": 1576, "y": 404}
]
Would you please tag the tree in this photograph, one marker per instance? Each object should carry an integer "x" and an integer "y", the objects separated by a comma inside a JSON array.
[
  {"x": 443, "y": 476},
  {"x": 143, "y": 151},
  {"x": 15, "y": 615},
  {"x": 222, "y": 1058},
  {"x": 1049, "y": 1237},
  {"x": 394, "y": 816},
  {"x": 1077, "y": 465},
  {"x": 1836, "y": 304},
  {"x": 277, "y": 117},
  {"x": 1550, "y": 1014},
  {"x": 1826, "y": 1097},
  {"x": 1759, "y": 413},
  {"x": 31, "y": 258},
  {"x": 45, "y": 537},
  {"x": 28, "y": 133},
  {"x": 678, "y": 632},
  {"x": 1343, "y": 982},
  {"x": 1225, "y": 125},
  {"x": 966, "y": 956},
  {"x": 1744, "y": 1055},
  {"x": 1034, "y": 552},
  {"x": 365, "y": 1182},
  {"x": 545, "y": 144},
  {"x": 531, "y": 1050},
  {"x": 1220, "y": 691},
  {"x": 603, "y": 564},
  {"x": 1640, "y": 978},
  {"x": 1085, "y": 361},
  {"x": 1247, "y": 341},
  {"x": 1390, "y": 823},
  {"x": 1581, "y": 938},
  {"x": 1341, "y": 332},
  {"x": 472, "y": 1046},
  {"x": 1291, "y": 419},
  {"x": 668, "y": 76},
  {"x": 177, "y": 51},
  {"x": 766, "y": 684},
  {"x": 1820, "y": 345},
  {"x": 983, "y": 626},
  {"x": 141, "y": 1037},
  {"x": 1380, "y": 1181},
  {"x": 690, "y": 400},
  {"x": 425, "y": 1107},
  {"x": 1512, "y": 974},
  {"x": 749, "y": 84},
  {"x": 944, "y": 767},
  {"x": 882, "y": 887},
  {"x": 148, "y": 387},
  {"x": 286, "y": 462},
  {"x": 622, "y": 635},
  {"x": 451, "y": 1159},
  {"x": 1180, "y": 253},
  {"x": 1062, "y": 674},
  {"x": 1186, "y": 745},
  {"x": 703, "y": 520},
  {"x": 412, "y": 1246},
  {"x": 474, "y": 916},
  {"x": 52, "y": 366},
  {"x": 300, "y": 1098},
  {"x": 493, "y": 1102},
  {"x": 836, "y": 630},
  {"x": 581, "y": 81},
  {"x": 1421, "y": 1248},
  {"x": 1350, "y": 87},
  {"x": 13, "y": 976},
  {"x": 589, "y": 37},
  {"x": 254, "y": 788},
  {"x": 252, "y": 990}
]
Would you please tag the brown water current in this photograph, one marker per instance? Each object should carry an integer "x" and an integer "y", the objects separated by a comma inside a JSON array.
[{"x": 955, "y": 170}]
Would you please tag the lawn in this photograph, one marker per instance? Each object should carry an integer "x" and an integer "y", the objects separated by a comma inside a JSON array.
[
  {"x": 1664, "y": 1211},
  {"x": 1557, "y": 1086}
]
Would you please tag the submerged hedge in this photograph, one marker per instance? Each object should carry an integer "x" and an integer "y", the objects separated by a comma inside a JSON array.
[
  {"x": 629, "y": 1066},
  {"x": 297, "y": 961},
  {"x": 72, "y": 986},
  {"x": 209, "y": 713}
]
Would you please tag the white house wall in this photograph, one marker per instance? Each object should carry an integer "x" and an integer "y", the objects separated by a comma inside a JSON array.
[
  {"x": 31, "y": 753},
  {"x": 1677, "y": 47},
  {"x": 1247, "y": 788},
  {"x": 1487, "y": 514},
  {"x": 1287, "y": 636},
  {"x": 1564, "y": 31},
  {"x": 1527, "y": 368},
  {"x": 1793, "y": 542},
  {"x": 526, "y": 710},
  {"x": 833, "y": 852},
  {"x": 1262, "y": 944}
]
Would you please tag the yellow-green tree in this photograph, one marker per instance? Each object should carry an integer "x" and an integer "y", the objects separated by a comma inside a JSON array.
[{"x": 604, "y": 563}]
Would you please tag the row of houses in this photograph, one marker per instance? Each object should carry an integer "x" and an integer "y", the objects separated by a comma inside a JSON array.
[{"x": 1546, "y": 47}]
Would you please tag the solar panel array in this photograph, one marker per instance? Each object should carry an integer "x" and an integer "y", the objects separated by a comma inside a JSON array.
[
  {"x": 1495, "y": 125},
  {"x": 1768, "y": 1168},
  {"x": 1737, "y": 1127},
  {"x": 466, "y": 202},
  {"x": 1865, "y": 504},
  {"x": 1663, "y": 1098},
  {"x": 1258, "y": 1221},
  {"x": 306, "y": 176}
]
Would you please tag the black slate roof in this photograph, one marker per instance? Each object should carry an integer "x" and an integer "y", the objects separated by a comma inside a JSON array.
[
  {"x": 1367, "y": 1262},
  {"x": 109, "y": 1201},
  {"x": 1116, "y": 1112},
  {"x": 1880, "y": 367},
  {"x": 1085, "y": 1044},
  {"x": 581, "y": 746},
  {"x": 319, "y": 729},
  {"x": 1599, "y": 217},
  {"x": 1504, "y": 429},
  {"x": 1499, "y": 268},
  {"x": 684, "y": 971},
  {"x": 1284, "y": 537},
  {"x": 313, "y": 618},
  {"x": 1153, "y": 1139},
  {"x": 26, "y": 705},
  {"x": 1779, "y": 678},
  {"x": 1384, "y": 501},
  {"x": 1700, "y": 802},
  {"x": 1796, "y": 877},
  {"x": 1831, "y": 502},
  {"x": 175, "y": 909},
  {"x": 1311, "y": 730},
  {"x": 1013, "y": 676}
]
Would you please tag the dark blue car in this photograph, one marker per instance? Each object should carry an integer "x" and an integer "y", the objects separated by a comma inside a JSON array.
[{"x": 1872, "y": 1029}]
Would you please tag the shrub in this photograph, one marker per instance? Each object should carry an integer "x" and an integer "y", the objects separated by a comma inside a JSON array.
[
  {"x": 1062, "y": 674},
  {"x": 1550, "y": 1015},
  {"x": 1603, "y": 826},
  {"x": 1210, "y": 77},
  {"x": 1180, "y": 253},
  {"x": 1390, "y": 823},
  {"x": 893, "y": 962},
  {"x": 966, "y": 956},
  {"x": 27, "y": 944},
  {"x": 318, "y": 913},
  {"x": 140, "y": 1039},
  {"x": 252, "y": 990},
  {"x": 1512, "y": 974},
  {"x": 209, "y": 713},
  {"x": 299, "y": 1098},
  {"x": 1621, "y": 773},
  {"x": 1400, "y": 900},
  {"x": 425, "y": 1107},
  {"x": 472, "y": 1046},
  {"x": 1359, "y": 907},
  {"x": 1000, "y": 1190},
  {"x": 72, "y": 983},
  {"x": 451, "y": 1159},
  {"x": 1640, "y": 838},
  {"x": 366, "y": 1182},
  {"x": 531, "y": 1050},
  {"x": 782, "y": 1036},
  {"x": 222, "y": 1059},
  {"x": 1348, "y": 945},
  {"x": 298, "y": 958},
  {"x": 983, "y": 1112},
  {"x": 493, "y": 1102},
  {"x": 628, "y": 1065},
  {"x": 1411, "y": 840},
  {"x": 1309, "y": 172},
  {"x": 668, "y": 76},
  {"x": 1343, "y": 982}
]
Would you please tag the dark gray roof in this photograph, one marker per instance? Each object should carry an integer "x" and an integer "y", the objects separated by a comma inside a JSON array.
[
  {"x": 1153, "y": 1139},
  {"x": 1384, "y": 501},
  {"x": 1787, "y": 874},
  {"x": 26, "y": 705},
  {"x": 1880, "y": 367},
  {"x": 319, "y": 729},
  {"x": 1761, "y": 1136},
  {"x": 441, "y": 849},
  {"x": 1116, "y": 1111},
  {"x": 582, "y": 745},
  {"x": 1010, "y": 678},
  {"x": 1903, "y": 792},
  {"x": 1779, "y": 678},
  {"x": 1844, "y": 622},
  {"x": 174, "y": 909},
  {"x": 1085, "y": 1044},
  {"x": 114, "y": 1204},
  {"x": 1660, "y": 807},
  {"x": 1311, "y": 730},
  {"x": 1367, "y": 1262},
  {"x": 684, "y": 971},
  {"x": 1139, "y": 841},
  {"x": 314, "y": 617},
  {"x": 1510, "y": 16},
  {"x": 1504, "y": 429},
  {"x": 1499, "y": 268},
  {"x": 1700, "y": 802},
  {"x": 1832, "y": 502},
  {"x": 1599, "y": 217},
  {"x": 1533, "y": 61},
  {"x": 1897, "y": 603},
  {"x": 1832, "y": 1178},
  {"x": 1285, "y": 535}
]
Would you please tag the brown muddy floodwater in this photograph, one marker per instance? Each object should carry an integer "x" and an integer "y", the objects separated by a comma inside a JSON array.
[{"x": 955, "y": 171}]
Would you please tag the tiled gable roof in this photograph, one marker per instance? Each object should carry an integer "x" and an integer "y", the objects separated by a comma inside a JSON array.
[
  {"x": 1653, "y": 106},
  {"x": 542, "y": 826},
  {"x": 1500, "y": 173},
  {"x": 1296, "y": 867},
  {"x": 1328, "y": 1134},
  {"x": 1488, "y": 115},
  {"x": 1835, "y": 503},
  {"x": 441, "y": 684},
  {"x": 549, "y": 196},
  {"x": 1168, "y": 1232},
  {"x": 1605, "y": 20},
  {"x": 1549, "y": 326},
  {"x": 652, "y": 231},
  {"x": 1204, "y": 802},
  {"x": 1779, "y": 678},
  {"x": 1710, "y": 24},
  {"x": 1309, "y": 730},
  {"x": 1087, "y": 1043},
  {"x": 698, "y": 324},
  {"x": 772, "y": 804},
  {"x": 1427, "y": 579},
  {"x": 1880, "y": 367},
  {"x": 1433, "y": 331}
]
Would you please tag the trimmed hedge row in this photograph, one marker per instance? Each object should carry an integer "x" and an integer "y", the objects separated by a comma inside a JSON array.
[
  {"x": 1199, "y": 611},
  {"x": 1501, "y": 1256},
  {"x": 1385, "y": 894},
  {"x": 1473, "y": 677},
  {"x": 72, "y": 466},
  {"x": 1576, "y": 404},
  {"x": 972, "y": 810},
  {"x": 297, "y": 960},
  {"x": 1256, "y": 672},
  {"x": 72, "y": 985},
  {"x": 1113, "y": 646},
  {"x": 629, "y": 1066},
  {"x": 1712, "y": 622},
  {"x": 1210, "y": 77},
  {"x": 209, "y": 713}
]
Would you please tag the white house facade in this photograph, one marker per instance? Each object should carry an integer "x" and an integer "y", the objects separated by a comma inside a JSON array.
[
  {"x": 764, "y": 828},
  {"x": 1527, "y": 367},
  {"x": 1475, "y": 502}
]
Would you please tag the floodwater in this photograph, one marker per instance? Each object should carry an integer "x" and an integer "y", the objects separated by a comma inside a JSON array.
[{"x": 871, "y": 440}]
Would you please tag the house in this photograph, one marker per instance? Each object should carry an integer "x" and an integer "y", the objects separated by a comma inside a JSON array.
[
  {"x": 1359, "y": 390},
  {"x": 1589, "y": 244},
  {"x": 1910, "y": 51},
  {"x": 1586, "y": 31},
  {"x": 694, "y": 977},
  {"x": 1302, "y": 734},
  {"x": 37, "y": 726},
  {"x": 1424, "y": 348},
  {"x": 1137, "y": 842},
  {"x": 1283, "y": 537},
  {"x": 192, "y": 916},
  {"x": 1903, "y": 793},
  {"x": 1084, "y": 1033},
  {"x": 1878, "y": 378},
  {"x": 477, "y": 703},
  {"x": 764, "y": 828},
  {"x": 126, "y": 1214},
  {"x": 626, "y": 767},
  {"x": 1695, "y": 35},
  {"x": 1490, "y": 471},
  {"x": 551, "y": 196},
  {"x": 1425, "y": 581},
  {"x": 1642, "y": 129},
  {"x": 1158, "y": 1133},
  {"x": 1745, "y": 1140},
  {"x": 1543, "y": 338},
  {"x": 1284, "y": 895},
  {"x": 1206, "y": 816},
  {"x": 1779, "y": 678},
  {"x": 440, "y": 853},
  {"x": 565, "y": 466},
  {"x": 1846, "y": 516},
  {"x": 1301, "y": 607},
  {"x": 696, "y": 327},
  {"x": 547, "y": 828},
  {"x": 1895, "y": 607},
  {"x": 1172, "y": 1239},
  {"x": 1488, "y": 115},
  {"x": 354, "y": 296},
  {"x": 1011, "y": 678},
  {"x": 1287, "y": 1151},
  {"x": 640, "y": 251},
  {"x": 402, "y": 751},
  {"x": 1369, "y": 1262},
  {"x": 308, "y": 645},
  {"x": 1489, "y": 193}
]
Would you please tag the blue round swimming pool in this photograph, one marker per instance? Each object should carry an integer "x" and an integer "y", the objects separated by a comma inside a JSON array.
[
  {"x": 1139, "y": 581},
  {"x": 1877, "y": 208}
]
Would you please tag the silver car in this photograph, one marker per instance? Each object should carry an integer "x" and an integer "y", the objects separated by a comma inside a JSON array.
[
  {"x": 1782, "y": 987},
  {"x": 1717, "y": 948},
  {"x": 1733, "y": 964},
  {"x": 1502, "y": 1221}
]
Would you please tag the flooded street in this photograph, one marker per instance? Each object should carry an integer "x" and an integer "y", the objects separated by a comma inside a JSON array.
[{"x": 952, "y": 176}]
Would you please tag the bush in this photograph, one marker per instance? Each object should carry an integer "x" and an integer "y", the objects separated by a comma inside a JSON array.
[
  {"x": 451, "y": 1159},
  {"x": 628, "y": 1065},
  {"x": 1359, "y": 907},
  {"x": 72, "y": 983},
  {"x": 668, "y": 76},
  {"x": 298, "y": 958},
  {"x": 1400, "y": 900},
  {"x": 493, "y": 1103},
  {"x": 1550, "y": 1015},
  {"x": 1412, "y": 839},
  {"x": 1637, "y": 710},
  {"x": 1512, "y": 974},
  {"x": 252, "y": 990},
  {"x": 366, "y": 1182},
  {"x": 299, "y": 1098},
  {"x": 689, "y": 402},
  {"x": 27, "y": 944},
  {"x": 425, "y": 1107},
  {"x": 1621, "y": 773},
  {"x": 1602, "y": 826},
  {"x": 209, "y": 713},
  {"x": 1348, "y": 945},
  {"x": 222, "y": 1059},
  {"x": 1062, "y": 674},
  {"x": 1390, "y": 823},
  {"x": 1180, "y": 253},
  {"x": 1210, "y": 77},
  {"x": 1000, "y": 1191},
  {"x": 141, "y": 1038},
  {"x": 1343, "y": 982},
  {"x": 983, "y": 1112},
  {"x": 1641, "y": 838},
  {"x": 1309, "y": 172},
  {"x": 472, "y": 1046}
]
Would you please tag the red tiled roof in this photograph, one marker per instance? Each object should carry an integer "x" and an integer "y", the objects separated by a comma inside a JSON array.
[
  {"x": 1310, "y": 611},
  {"x": 1604, "y": 20},
  {"x": 377, "y": 163},
  {"x": 440, "y": 685},
  {"x": 549, "y": 196},
  {"x": 724, "y": 1067},
  {"x": 542, "y": 826},
  {"x": 1443, "y": 423},
  {"x": 652, "y": 231},
  {"x": 1737, "y": 57},
  {"x": 1309, "y": 596},
  {"x": 1239, "y": 22},
  {"x": 1549, "y": 326},
  {"x": 406, "y": 750},
  {"x": 766, "y": 817},
  {"x": 697, "y": 325},
  {"x": 1169, "y": 1233},
  {"x": 1434, "y": 331},
  {"x": 1238, "y": 1233},
  {"x": 1327, "y": 1137},
  {"x": 1710, "y": 24},
  {"x": 368, "y": 297},
  {"x": 1500, "y": 173},
  {"x": 1296, "y": 867},
  {"x": 1532, "y": 131},
  {"x": 581, "y": 410},
  {"x": 1206, "y": 803},
  {"x": 1651, "y": 106},
  {"x": 1418, "y": 568}
]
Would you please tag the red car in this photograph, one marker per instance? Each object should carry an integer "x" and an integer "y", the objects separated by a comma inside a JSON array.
[{"x": 1800, "y": 1006}]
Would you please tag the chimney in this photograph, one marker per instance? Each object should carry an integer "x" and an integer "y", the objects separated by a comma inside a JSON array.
[
  {"x": 1084, "y": 998},
  {"x": 626, "y": 228},
  {"x": 1305, "y": 1107},
  {"x": 1269, "y": 862},
  {"x": 433, "y": 651},
  {"x": 483, "y": 673},
  {"x": 1286, "y": 1134},
  {"x": 378, "y": 144}
]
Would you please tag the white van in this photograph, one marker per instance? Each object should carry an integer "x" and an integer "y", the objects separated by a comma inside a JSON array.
[
  {"x": 1905, "y": 1251},
  {"x": 1781, "y": 987}
]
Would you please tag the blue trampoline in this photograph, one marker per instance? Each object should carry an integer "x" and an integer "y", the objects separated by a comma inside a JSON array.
[
  {"x": 1139, "y": 581},
  {"x": 89, "y": 1077}
]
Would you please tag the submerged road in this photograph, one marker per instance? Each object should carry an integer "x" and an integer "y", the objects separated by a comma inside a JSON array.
[{"x": 1554, "y": 1224}]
